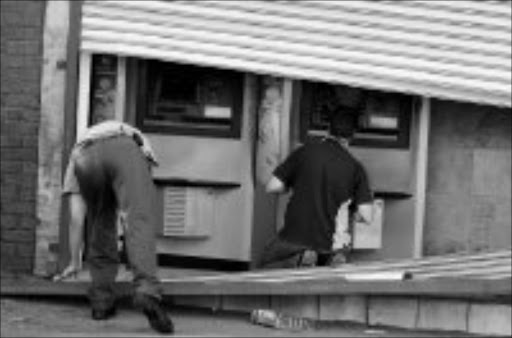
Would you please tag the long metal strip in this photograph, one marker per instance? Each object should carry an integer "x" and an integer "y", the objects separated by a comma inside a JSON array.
[{"x": 502, "y": 257}]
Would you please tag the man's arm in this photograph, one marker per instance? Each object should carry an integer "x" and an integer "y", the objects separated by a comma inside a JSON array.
[
  {"x": 364, "y": 213},
  {"x": 142, "y": 141},
  {"x": 78, "y": 209},
  {"x": 275, "y": 185},
  {"x": 284, "y": 175}
]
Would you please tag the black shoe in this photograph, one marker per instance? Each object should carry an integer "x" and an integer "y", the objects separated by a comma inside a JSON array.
[
  {"x": 98, "y": 314},
  {"x": 154, "y": 312}
]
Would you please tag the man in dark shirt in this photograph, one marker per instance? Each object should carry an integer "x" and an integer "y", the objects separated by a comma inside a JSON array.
[{"x": 323, "y": 176}]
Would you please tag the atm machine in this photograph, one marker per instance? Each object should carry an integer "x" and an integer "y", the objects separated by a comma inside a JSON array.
[{"x": 199, "y": 121}]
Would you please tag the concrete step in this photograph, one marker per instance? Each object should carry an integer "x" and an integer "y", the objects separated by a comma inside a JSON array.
[{"x": 408, "y": 312}]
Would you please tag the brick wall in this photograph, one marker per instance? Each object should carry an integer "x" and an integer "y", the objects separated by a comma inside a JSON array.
[
  {"x": 21, "y": 59},
  {"x": 469, "y": 179}
]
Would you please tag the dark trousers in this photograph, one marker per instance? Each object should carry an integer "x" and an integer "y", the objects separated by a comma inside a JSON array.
[
  {"x": 281, "y": 254},
  {"x": 115, "y": 179}
]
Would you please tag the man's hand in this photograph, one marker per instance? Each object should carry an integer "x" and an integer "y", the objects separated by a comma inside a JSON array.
[
  {"x": 365, "y": 213},
  {"x": 275, "y": 185},
  {"x": 70, "y": 271}
]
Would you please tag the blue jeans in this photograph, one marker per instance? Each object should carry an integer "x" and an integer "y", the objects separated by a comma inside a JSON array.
[{"x": 114, "y": 176}]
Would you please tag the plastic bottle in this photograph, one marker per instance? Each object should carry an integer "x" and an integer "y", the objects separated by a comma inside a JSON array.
[{"x": 271, "y": 318}]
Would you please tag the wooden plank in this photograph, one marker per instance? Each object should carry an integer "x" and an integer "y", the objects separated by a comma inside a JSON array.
[
  {"x": 439, "y": 287},
  {"x": 492, "y": 271},
  {"x": 474, "y": 269},
  {"x": 498, "y": 275},
  {"x": 415, "y": 265},
  {"x": 465, "y": 287},
  {"x": 380, "y": 265},
  {"x": 435, "y": 286},
  {"x": 473, "y": 272}
]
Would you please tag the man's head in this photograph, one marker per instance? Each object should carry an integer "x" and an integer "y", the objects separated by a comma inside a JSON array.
[{"x": 343, "y": 122}]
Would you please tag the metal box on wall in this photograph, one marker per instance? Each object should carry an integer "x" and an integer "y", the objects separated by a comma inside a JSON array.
[{"x": 369, "y": 236}]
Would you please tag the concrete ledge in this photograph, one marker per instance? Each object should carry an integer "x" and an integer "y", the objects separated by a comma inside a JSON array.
[
  {"x": 343, "y": 308},
  {"x": 245, "y": 303},
  {"x": 450, "y": 315},
  {"x": 299, "y": 306},
  {"x": 434, "y": 287},
  {"x": 393, "y": 311},
  {"x": 492, "y": 319}
]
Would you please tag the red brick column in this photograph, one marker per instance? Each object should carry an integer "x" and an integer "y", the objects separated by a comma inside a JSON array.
[{"x": 21, "y": 59}]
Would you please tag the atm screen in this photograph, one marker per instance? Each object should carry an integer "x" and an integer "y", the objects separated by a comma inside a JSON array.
[
  {"x": 189, "y": 100},
  {"x": 380, "y": 113},
  {"x": 383, "y": 117}
]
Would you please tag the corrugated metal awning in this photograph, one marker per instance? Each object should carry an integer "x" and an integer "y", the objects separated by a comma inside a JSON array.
[{"x": 458, "y": 50}]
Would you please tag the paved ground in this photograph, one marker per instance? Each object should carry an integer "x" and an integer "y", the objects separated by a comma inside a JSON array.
[{"x": 70, "y": 317}]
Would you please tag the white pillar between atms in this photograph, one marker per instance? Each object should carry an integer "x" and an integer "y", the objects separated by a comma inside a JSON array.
[{"x": 421, "y": 175}]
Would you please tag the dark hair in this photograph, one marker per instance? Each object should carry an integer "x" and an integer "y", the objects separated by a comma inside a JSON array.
[{"x": 343, "y": 122}]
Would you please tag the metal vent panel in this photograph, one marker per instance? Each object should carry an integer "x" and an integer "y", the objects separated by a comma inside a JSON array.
[
  {"x": 175, "y": 211},
  {"x": 188, "y": 211}
]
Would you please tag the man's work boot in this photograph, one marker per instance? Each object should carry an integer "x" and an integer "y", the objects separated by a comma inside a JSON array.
[
  {"x": 154, "y": 312},
  {"x": 103, "y": 303}
]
